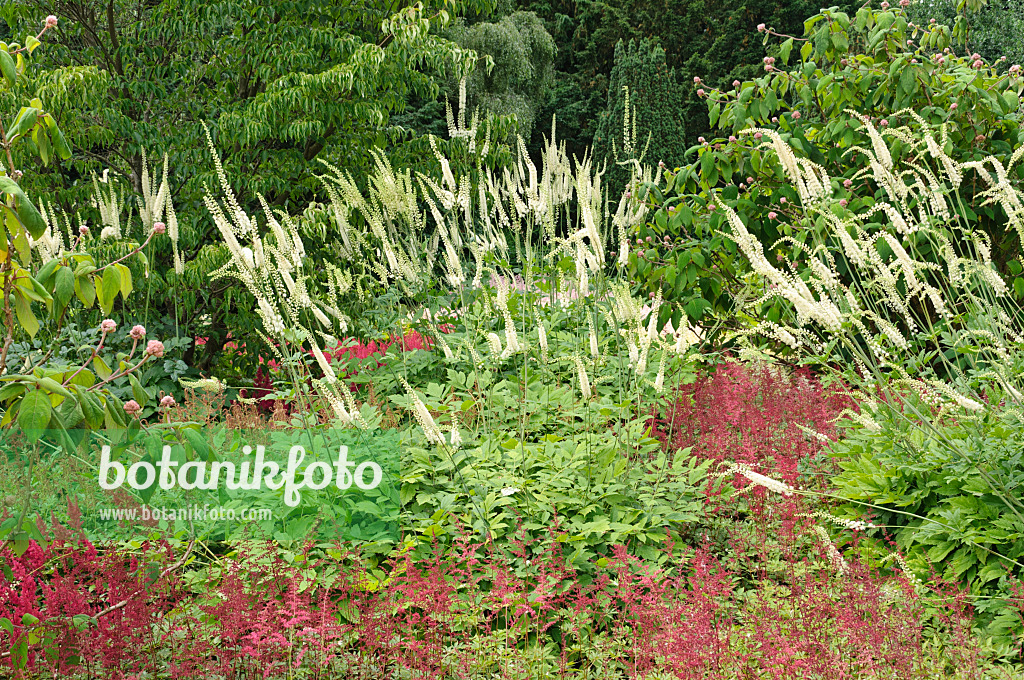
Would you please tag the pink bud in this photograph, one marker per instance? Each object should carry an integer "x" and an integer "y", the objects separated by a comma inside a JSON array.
[
  {"x": 736, "y": 84},
  {"x": 885, "y": 5},
  {"x": 843, "y": 202},
  {"x": 83, "y": 230},
  {"x": 783, "y": 200},
  {"x": 884, "y": 123},
  {"x": 696, "y": 79},
  {"x": 796, "y": 115},
  {"x": 108, "y": 326},
  {"x": 978, "y": 63},
  {"x": 732, "y": 138},
  {"x": 168, "y": 402},
  {"x": 701, "y": 140},
  {"x": 952, "y": 107},
  {"x": 155, "y": 348},
  {"x": 750, "y": 180},
  {"x": 137, "y": 332},
  {"x": 700, "y": 91},
  {"x": 980, "y": 138},
  {"x": 775, "y": 119},
  {"x": 132, "y": 407},
  {"x": 51, "y": 21},
  {"x": 712, "y": 207},
  {"x": 975, "y": 56},
  {"x": 772, "y": 215},
  {"x": 761, "y": 28},
  {"x": 847, "y": 183},
  {"x": 159, "y": 228}
]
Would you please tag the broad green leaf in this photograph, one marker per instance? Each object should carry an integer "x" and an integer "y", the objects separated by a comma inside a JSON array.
[
  {"x": 126, "y": 280},
  {"x": 785, "y": 49},
  {"x": 60, "y": 144},
  {"x": 138, "y": 393},
  {"x": 7, "y": 67},
  {"x": 47, "y": 270},
  {"x": 109, "y": 288},
  {"x": 63, "y": 287},
  {"x": 26, "y": 318},
  {"x": 31, "y": 43},
  {"x": 198, "y": 442},
  {"x": 24, "y": 121},
  {"x": 101, "y": 368},
  {"x": 27, "y": 213},
  {"x": 85, "y": 290},
  {"x": 34, "y": 413}
]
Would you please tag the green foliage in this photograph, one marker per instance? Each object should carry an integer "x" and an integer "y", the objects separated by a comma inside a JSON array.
[
  {"x": 641, "y": 80},
  {"x": 713, "y": 42},
  {"x": 523, "y": 64},
  {"x": 129, "y": 77},
  {"x": 925, "y": 488},
  {"x": 863, "y": 63},
  {"x": 844, "y": 64},
  {"x": 600, "y": 488},
  {"x": 994, "y": 29}
]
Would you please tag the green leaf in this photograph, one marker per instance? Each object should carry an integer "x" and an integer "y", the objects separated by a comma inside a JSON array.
[
  {"x": 785, "y": 49},
  {"x": 109, "y": 287},
  {"x": 63, "y": 287},
  {"x": 31, "y": 43},
  {"x": 138, "y": 393},
  {"x": 85, "y": 290},
  {"x": 24, "y": 121},
  {"x": 60, "y": 144},
  {"x": 125, "y": 275},
  {"x": 198, "y": 442},
  {"x": 34, "y": 414},
  {"x": 54, "y": 387},
  {"x": 7, "y": 67},
  {"x": 26, "y": 318},
  {"x": 101, "y": 368},
  {"x": 27, "y": 213}
]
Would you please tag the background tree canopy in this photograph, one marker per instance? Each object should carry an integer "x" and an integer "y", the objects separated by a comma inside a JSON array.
[{"x": 283, "y": 86}]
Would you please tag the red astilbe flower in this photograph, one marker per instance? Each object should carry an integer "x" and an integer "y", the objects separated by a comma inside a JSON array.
[{"x": 751, "y": 415}]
